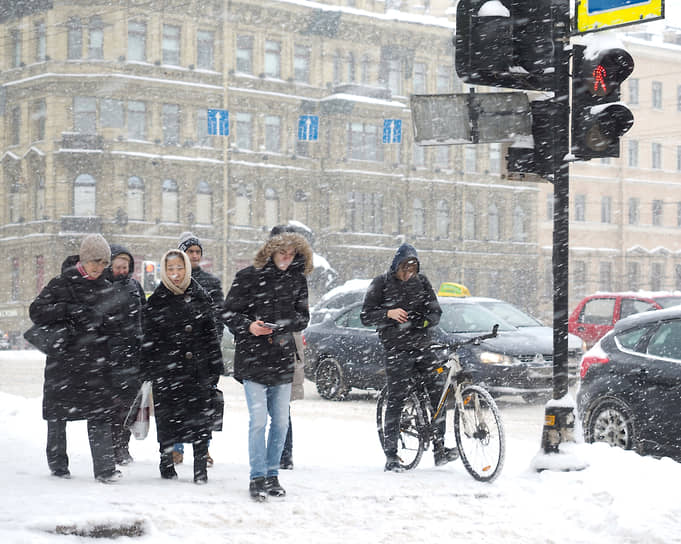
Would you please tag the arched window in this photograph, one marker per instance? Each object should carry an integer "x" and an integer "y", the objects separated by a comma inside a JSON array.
[
  {"x": 271, "y": 207},
  {"x": 135, "y": 198},
  {"x": 242, "y": 212},
  {"x": 301, "y": 203},
  {"x": 470, "y": 222},
  {"x": 351, "y": 68},
  {"x": 365, "y": 70},
  {"x": 419, "y": 217},
  {"x": 337, "y": 61},
  {"x": 39, "y": 210},
  {"x": 492, "y": 222},
  {"x": 169, "y": 201},
  {"x": 84, "y": 195},
  {"x": 17, "y": 199},
  {"x": 204, "y": 203},
  {"x": 442, "y": 219},
  {"x": 519, "y": 224}
]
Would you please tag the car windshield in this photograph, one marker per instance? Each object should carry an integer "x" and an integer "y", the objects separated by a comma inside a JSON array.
[
  {"x": 511, "y": 314},
  {"x": 669, "y": 301},
  {"x": 466, "y": 317}
]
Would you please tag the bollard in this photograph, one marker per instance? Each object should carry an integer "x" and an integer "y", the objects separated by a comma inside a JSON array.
[{"x": 559, "y": 426}]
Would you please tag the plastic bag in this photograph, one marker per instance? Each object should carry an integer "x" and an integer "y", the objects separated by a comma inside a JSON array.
[{"x": 137, "y": 419}]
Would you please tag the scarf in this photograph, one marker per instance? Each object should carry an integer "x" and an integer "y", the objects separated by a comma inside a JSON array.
[{"x": 165, "y": 280}]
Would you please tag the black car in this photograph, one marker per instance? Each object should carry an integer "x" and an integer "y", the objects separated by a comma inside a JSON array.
[
  {"x": 630, "y": 388},
  {"x": 342, "y": 353}
]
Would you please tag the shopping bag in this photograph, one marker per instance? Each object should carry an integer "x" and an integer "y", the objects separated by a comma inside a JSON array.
[
  {"x": 217, "y": 402},
  {"x": 137, "y": 419},
  {"x": 50, "y": 339}
]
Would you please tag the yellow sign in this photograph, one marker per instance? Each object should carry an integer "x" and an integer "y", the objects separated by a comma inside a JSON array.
[
  {"x": 593, "y": 15},
  {"x": 449, "y": 289}
]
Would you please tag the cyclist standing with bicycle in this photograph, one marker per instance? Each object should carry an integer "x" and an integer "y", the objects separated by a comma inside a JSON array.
[{"x": 403, "y": 306}]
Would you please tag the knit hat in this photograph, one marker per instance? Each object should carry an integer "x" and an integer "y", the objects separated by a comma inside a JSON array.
[
  {"x": 94, "y": 248},
  {"x": 187, "y": 240}
]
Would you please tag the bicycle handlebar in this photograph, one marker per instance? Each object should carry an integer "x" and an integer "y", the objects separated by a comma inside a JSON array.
[{"x": 474, "y": 340}]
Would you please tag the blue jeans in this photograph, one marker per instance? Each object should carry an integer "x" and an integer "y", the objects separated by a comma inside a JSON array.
[{"x": 261, "y": 400}]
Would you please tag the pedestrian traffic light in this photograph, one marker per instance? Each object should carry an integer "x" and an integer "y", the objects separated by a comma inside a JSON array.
[
  {"x": 149, "y": 280},
  {"x": 599, "y": 119},
  {"x": 509, "y": 43}
]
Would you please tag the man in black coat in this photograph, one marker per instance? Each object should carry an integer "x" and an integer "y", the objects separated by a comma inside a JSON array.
[
  {"x": 124, "y": 324},
  {"x": 78, "y": 383},
  {"x": 266, "y": 304},
  {"x": 403, "y": 306}
]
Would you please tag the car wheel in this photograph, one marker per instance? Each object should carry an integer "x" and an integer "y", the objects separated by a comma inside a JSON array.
[
  {"x": 330, "y": 380},
  {"x": 610, "y": 421}
]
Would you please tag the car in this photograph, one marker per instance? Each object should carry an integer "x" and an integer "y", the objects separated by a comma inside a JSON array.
[
  {"x": 4, "y": 341},
  {"x": 338, "y": 298},
  {"x": 630, "y": 385},
  {"x": 342, "y": 353},
  {"x": 596, "y": 314}
]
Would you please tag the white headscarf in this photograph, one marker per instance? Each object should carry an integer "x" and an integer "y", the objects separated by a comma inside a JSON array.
[{"x": 176, "y": 289}]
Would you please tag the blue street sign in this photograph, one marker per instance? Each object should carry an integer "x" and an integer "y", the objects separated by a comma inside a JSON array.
[
  {"x": 308, "y": 127},
  {"x": 218, "y": 122},
  {"x": 392, "y": 131}
]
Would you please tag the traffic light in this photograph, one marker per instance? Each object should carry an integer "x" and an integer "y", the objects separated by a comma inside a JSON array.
[
  {"x": 149, "y": 280},
  {"x": 599, "y": 119},
  {"x": 509, "y": 43}
]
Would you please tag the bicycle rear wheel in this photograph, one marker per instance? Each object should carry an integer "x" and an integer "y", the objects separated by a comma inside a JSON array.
[
  {"x": 411, "y": 441},
  {"x": 480, "y": 434}
]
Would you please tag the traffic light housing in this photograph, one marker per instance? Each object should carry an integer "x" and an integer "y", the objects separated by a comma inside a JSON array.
[
  {"x": 509, "y": 43},
  {"x": 149, "y": 279},
  {"x": 599, "y": 119}
]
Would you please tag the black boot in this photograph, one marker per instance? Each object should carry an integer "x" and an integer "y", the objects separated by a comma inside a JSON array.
[
  {"x": 201, "y": 462},
  {"x": 273, "y": 487},
  {"x": 257, "y": 489},
  {"x": 167, "y": 467},
  {"x": 445, "y": 455}
]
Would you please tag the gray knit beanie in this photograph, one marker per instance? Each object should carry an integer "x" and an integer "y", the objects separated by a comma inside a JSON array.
[{"x": 94, "y": 248}]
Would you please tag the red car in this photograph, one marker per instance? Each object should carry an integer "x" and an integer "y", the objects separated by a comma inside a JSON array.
[{"x": 596, "y": 314}]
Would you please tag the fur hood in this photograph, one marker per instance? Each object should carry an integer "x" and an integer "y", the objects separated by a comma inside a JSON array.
[{"x": 303, "y": 259}]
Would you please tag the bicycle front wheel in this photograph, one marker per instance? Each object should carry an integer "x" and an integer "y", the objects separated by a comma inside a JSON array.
[
  {"x": 480, "y": 434},
  {"x": 411, "y": 441}
]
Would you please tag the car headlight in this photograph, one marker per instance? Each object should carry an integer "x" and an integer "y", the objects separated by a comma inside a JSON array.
[{"x": 493, "y": 358}]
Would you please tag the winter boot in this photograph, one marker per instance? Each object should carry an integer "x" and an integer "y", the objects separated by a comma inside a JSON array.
[
  {"x": 257, "y": 489},
  {"x": 122, "y": 456},
  {"x": 167, "y": 467},
  {"x": 62, "y": 473},
  {"x": 286, "y": 464},
  {"x": 200, "y": 461},
  {"x": 392, "y": 464},
  {"x": 445, "y": 455},
  {"x": 273, "y": 487},
  {"x": 109, "y": 477}
]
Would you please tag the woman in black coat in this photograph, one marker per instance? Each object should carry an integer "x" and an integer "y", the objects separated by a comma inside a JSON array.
[
  {"x": 181, "y": 356},
  {"x": 78, "y": 381}
]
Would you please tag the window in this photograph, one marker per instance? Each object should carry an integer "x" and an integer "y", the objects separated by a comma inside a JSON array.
[
  {"x": 272, "y": 58},
  {"x": 171, "y": 45},
  {"x": 15, "y": 48},
  {"x": 111, "y": 113},
  {"x": 470, "y": 229},
  {"x": 337, "y": 67},
  {"x": 242, "y": 213},
  {"x": 419, "y": 217},
  {"x": 470, "y": 159},
  {"x": 419, "y": 155},
  {"x": 205, "y": 49},
  {"x": 605, "y": 276},
  {"x": 419, "y": 81},
  {"x": 301, "y": 63},
  {"x": 657, "y": 213},
  {"x": 271, "y": 208},
  {"x": 606, "y": 209},
  {"x": 495, "y": 158},
  {"x": 74, "y": 38},
  {"x": 632, "y": 306},
  {"x": 351, "y": 68},
  {"x": 363, "y": 143},
  {"x": 442, "y": 156},
  {"x": 442, "y": 79},
  {"x": 580, "y": 207},
  {"x": 169, "y": 201},
  {"x": 549, "y": 207},
  {"x": 598, "y": 311},
  {"x": 364, "y": 212},
  {"x": 137, "y": 120},
  {"x": 244, "y": 54},
  {"x": 633, "y": 275},
  {"x": 95, "y": 48},
  {"x": 39, "y": 210},
  {"x": 442, "y": 219},
  {"x": 365, "y": 70},
  {"x": 244, "y": 130},
  {"x": 301, "y": 203},
  {"x": 84, "y": 195},
  {"x": 137, "y": 41},
  {"x": 171, "y": 124},
  {"x": 394, "y": 76},
  {"x": 519, "y": 232},
  {"x": 656, "y": 160},
  {"x": 16, "y": 279},
  {"x": 492, "y": 222},
  {"x": 273, "y": 133},
  {"x": 17, "y": 199},
  {"x": 38, "y": 117},
  {"x": 202, "y": 136},
  {"x": 633, "y": 153},
  {"x": 40, "y": 42},
  {"x": 657, "y": 95},
  {"x": 135, "y": 198},
  {"x": 666, "y": 341},
  {"x": 633, "y": 92},
  {"x": 204, "y": 203},
  {"x": 656, "y": 276},
  {"x": 15, "y": 125},
  {"x": 85, "y": 114},
  {"x": 633, "y": 211},
  {"x": 579, "y": 277}
]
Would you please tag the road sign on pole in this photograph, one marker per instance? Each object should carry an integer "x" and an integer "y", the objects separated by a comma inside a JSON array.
[
  {"x": 308, "y": 128},
  {"x": 218, "y": 122},
  {"x": 392, "y": 131},
  {"x": 593, "y": 15}
]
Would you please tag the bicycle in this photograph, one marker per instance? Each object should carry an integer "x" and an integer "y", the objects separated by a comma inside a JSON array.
[{"x": 478, "y": 427}]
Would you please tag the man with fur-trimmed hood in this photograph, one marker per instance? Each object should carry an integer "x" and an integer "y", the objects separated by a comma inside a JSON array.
[{"x": 265, "y": 305}]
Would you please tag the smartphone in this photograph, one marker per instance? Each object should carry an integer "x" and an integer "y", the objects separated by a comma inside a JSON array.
[{"x": 270, "y": 325}]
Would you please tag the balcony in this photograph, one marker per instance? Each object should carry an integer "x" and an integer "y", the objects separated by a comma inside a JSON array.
[{"x": 81, "y": 224}]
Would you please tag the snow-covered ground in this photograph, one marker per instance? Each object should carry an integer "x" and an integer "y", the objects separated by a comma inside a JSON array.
[{"x": 338, "y": 492}]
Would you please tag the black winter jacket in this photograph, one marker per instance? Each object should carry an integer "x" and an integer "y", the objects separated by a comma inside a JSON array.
[
  {"x": 78, "y": 382},
  {"x": 211, "y": 285},
  {"x": 181, "y": 356}
]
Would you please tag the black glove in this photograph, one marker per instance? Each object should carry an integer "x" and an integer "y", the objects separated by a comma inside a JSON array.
[{"x": 84, "y": 316}]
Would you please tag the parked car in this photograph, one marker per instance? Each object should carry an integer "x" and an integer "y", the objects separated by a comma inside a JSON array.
[
  {"x": 630, "y": 385},
  {"x": 4, "y": 341},
  {"x": 596, "y": 314},
  {"x": 342, "y": 353},
  {"x": 338, "y": 298}
]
